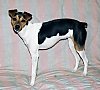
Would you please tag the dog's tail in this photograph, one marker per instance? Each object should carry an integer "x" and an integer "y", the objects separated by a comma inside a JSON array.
[
  {"x": 83, "y": 24},
  {"x": 80, "y": 35}
]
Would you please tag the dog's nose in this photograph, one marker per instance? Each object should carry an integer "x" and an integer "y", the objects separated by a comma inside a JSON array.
[{"x": 17, "y": 27}]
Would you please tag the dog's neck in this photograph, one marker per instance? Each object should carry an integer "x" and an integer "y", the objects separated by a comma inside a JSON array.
[
  {"x": 29, "y": 33},
  {"x": 25, "y": 30}
]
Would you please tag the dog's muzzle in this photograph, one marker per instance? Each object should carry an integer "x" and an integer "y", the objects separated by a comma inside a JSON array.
[{"x": 17, "y": 29}]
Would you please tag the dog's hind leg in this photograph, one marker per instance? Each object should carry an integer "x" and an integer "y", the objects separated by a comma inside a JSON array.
[
  {"x": 81, "y": 51},
  {"x": 85, "y": 60},
  {"x": 72, "y": 48}
]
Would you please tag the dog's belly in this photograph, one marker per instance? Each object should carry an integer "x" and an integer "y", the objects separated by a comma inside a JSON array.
[{"x": 50, "y": 42}]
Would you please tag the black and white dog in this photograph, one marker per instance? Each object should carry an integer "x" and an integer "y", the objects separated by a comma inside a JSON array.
[{"x": 40, "y": 36}]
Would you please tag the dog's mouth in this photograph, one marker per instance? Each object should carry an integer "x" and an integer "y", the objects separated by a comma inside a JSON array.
[{"x": 16, "y": 31}]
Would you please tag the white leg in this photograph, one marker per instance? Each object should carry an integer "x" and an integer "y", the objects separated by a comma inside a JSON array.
[
  {"x": 33, "y": 73},
  {"x": 77, "y": 58},
  {"x": 85, "y": 60},
  {"x": 34, "y": 56}
]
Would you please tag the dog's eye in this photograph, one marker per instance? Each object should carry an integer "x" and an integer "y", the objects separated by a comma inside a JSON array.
[
  {"x": 14, "y": 19},
  {"x": 23, "y": 21}
]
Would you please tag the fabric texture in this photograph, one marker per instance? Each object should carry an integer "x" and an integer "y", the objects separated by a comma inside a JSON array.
[{"x": 56, "y": 64}]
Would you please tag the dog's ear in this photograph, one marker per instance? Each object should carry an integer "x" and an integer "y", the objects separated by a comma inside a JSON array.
[
  {"x": 27, "y": 16},
  {"x": 12, "y": 12}
]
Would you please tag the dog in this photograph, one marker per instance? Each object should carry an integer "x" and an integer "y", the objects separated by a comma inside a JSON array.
[{"x": 42, "y": 36}]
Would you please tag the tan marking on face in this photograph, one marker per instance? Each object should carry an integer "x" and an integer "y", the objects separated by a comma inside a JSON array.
[
  {"x": 16, "y": 20},
  {"x": 19, "y": 19}
]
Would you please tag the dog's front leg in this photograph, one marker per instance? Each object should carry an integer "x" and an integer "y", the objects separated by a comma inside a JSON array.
[
  {"x": 34, "y": 68},
  {"x": 34, "y": 55}
]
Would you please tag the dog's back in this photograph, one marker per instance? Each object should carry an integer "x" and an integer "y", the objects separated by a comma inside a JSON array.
[{"x": 61, "y": 27}]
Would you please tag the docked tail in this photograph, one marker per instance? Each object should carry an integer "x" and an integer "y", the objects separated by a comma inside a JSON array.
[
  {"x": 83, "y": 24},
  {"x": 80, "y": 34}
]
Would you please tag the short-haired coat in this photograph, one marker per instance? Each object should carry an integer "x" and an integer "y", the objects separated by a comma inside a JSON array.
[{"x": 40, "y": 36}]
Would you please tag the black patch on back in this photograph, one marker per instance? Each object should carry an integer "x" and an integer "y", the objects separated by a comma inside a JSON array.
[{"x": 61, "y": 26}]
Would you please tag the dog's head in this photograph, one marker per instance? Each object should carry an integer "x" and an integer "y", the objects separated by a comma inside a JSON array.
[{"x": 19, "y": 19}]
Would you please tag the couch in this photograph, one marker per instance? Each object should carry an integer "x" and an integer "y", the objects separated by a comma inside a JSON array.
[{"x": 56, "y": 64}]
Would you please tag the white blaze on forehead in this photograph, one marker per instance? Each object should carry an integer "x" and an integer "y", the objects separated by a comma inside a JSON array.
[{"x": 19, "y": 18}]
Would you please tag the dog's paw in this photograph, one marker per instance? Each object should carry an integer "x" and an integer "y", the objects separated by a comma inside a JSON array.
[
  {"x": 74, "y": 70},
  {"x": 84, "y": 73},
  {"x": 32, "y": 83}
]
